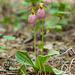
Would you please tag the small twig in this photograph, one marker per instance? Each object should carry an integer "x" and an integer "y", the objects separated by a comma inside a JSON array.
[
  {"x": 71, "y": 63},
  {"x": 10, "y": 56},
  {"x": 65, "y": 66},
  {"x": 27, "y": 40},
  {"x": 73, "y": 51},
  {"x": 63, "y": 53},
  {"x": 23, "y": 73}
]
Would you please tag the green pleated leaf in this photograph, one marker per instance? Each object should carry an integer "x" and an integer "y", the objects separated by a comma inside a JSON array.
[
  {"x": 53, "y": 52},
  {"x": 48, "y": 68},
  {"x": 23, "y": 68},
  {"x": 23, "y": 57},
  {"x": 39, "y": 62}
]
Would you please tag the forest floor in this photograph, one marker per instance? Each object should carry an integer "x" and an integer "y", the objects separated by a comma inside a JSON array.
[{"x": 25, "y": 41}]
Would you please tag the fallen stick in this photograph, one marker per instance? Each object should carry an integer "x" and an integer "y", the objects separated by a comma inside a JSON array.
[
  {"x": 71, "y": 63},
  {"x": 63, "y": 53}
]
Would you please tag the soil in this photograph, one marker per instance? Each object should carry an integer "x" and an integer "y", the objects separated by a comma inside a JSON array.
[{"x": 25, "y": 41}]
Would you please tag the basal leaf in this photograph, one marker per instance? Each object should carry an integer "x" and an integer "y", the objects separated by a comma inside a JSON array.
[
  {"x": 23, "y": 57},
  {"x": 53, "y": 52},
  {"x": 48, "y": 68},
  {"x": 23, "y": 68},
  {"x": 11, "y": 68},
  {"x": 39, "y": 62},
  {"x": 58, "y": 72}
]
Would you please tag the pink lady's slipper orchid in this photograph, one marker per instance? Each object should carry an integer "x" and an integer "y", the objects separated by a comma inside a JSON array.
[
  {"x": 41, "y": 12},
  {"x": 31, "y": 18}
]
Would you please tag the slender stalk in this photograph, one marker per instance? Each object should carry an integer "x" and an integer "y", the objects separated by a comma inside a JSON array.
[
  {"x": 35, "y": 41},
  {"x": 42, "y": 36}
]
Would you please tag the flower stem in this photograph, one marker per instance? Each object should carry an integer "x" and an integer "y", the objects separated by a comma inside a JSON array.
[
  {"x": 35, "y": 41},
  {"x": 42, "y": 36}
]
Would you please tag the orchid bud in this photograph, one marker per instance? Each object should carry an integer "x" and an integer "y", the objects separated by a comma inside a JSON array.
[
  {"x": 31, "y": 18},
  {"x": 41, "y": 13}
]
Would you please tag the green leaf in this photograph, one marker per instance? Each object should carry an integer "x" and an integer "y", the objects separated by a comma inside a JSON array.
[
  {"x": 53, "y": 11},
  {"x": 39, "y": 62},
  {"x": 19, "y": 25},
  {"x": 11, "y": 68},
  {"x": 6, "y": 20},
  {"x": 24, "y": 17},
  {"x": 58, "y": 27},
  {"x": 64, "y": 21},
  {"x": 24, "y": 3},
  {"x": 2, "y": 50},
  {"x": 54, "y": 27},
  {"x": 62, "y": 12},
  {"x": 23, "y": 68},
  {"x": 53, "y": 52},
  {"x": 23, "y": 57},
  {"x": 52, "y": 23},
  {"x": 22, "y": 11},
  {"x": 58, "y": 72},
  {"x": 4, "y": 47},
  {"x": 68, "y": 6},
  {"x": 9, "y": 37},
  {"x": 48, "y": 68}
]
